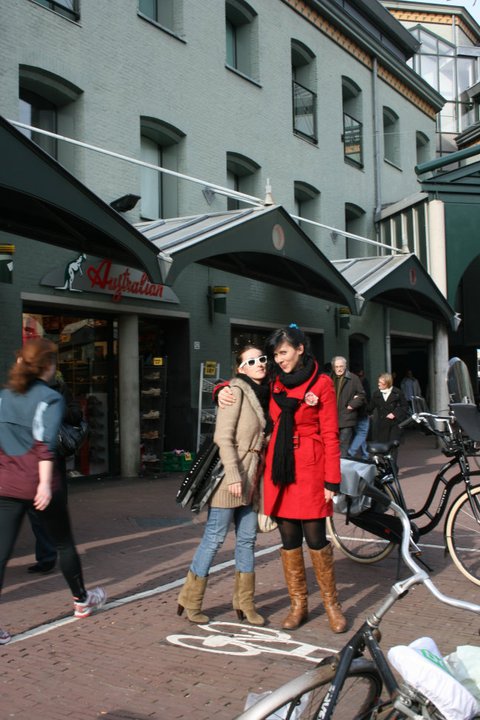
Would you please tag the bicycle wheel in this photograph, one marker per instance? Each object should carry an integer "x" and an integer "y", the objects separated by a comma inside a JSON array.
[
  {"x": 462, "y": 534},
  {"x": 356, "y": 543},
  {"x": 358, "y": 696}
]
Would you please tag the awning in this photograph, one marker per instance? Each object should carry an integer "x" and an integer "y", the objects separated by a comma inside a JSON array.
[
  {"x": 261, "y": 243},
  {"x": 399, "y": 281},
  {"x": 39, "y": 199}
]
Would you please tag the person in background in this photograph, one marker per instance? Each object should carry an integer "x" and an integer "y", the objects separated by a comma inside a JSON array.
[
  {"x": 240, "y": 436},
  {"x": 388, "y": 407},
  {"x": 410, "y": 388},
  {"x": 350, "y": 399},
  {"x": 45, "y": 550},
  {"x": 30, "y": 416},
  {"x": 302, "y": 471},
  {"x": 358, "y": 446}
]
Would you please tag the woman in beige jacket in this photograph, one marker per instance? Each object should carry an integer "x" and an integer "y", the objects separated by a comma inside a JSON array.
[{"x": 240, "y": 436}]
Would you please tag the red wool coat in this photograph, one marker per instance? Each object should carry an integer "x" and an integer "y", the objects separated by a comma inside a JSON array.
[{"x": 317, "y": 454}]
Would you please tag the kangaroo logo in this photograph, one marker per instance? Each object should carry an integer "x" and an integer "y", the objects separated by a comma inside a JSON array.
[{"x": 72, "y": 268}]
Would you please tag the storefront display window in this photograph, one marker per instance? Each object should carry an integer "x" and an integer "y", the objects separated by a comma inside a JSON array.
[{"x": 87, "y": 363}]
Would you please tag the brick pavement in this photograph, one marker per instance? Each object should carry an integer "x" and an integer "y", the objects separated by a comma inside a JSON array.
[{"x": 118, "y": 664}]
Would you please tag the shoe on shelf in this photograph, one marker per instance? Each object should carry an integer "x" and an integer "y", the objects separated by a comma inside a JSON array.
[
  {"x": 5, "y": 637},
  {"x": 43, "y": 567},
  {"x": 95, "y": 600}
]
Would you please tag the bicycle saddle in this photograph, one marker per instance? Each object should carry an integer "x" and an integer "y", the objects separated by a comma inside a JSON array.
[{"x": 382, "y": 448}]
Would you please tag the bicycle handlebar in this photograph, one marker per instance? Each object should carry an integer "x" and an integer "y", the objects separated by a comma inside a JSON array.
[{"x": 419, "y": 576}]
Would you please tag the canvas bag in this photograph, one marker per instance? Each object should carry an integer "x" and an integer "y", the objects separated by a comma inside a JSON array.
[{"x": 350, "y": 500}]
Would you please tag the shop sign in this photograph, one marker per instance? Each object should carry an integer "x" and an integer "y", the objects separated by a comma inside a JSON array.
[
  {"x": 210, "y": 368},
  {"x": 88, "y": 274}
]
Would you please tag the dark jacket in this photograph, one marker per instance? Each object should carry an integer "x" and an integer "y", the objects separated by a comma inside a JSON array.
[
  {"x": 351, "y": 393},
  {"x": 383, "y": 429}
]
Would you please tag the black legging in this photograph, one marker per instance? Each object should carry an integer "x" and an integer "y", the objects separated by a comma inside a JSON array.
[
  {"x": 57, "y": 523},
  {"x": 293, "y": 531}
]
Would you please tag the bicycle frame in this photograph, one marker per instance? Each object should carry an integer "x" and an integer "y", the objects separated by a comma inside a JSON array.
[
  {"x": 365, "y": 636},
  {"x": 459, "y": 458}
]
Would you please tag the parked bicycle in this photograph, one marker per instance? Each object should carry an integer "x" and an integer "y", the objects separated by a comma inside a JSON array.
[
  {"x": 350, "y": 685},
  {"x": 370, "y": 536}
]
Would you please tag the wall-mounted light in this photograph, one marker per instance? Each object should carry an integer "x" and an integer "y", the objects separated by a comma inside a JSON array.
[
  {"x": 217, "y": 299},
  {"x": 125, "y": 203},
  {"x": 342, "y": 319}
]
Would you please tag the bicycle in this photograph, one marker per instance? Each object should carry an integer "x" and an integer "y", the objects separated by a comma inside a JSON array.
[
  {"x": 352, "y": 535},
  {"x": 350, "y": 685}
]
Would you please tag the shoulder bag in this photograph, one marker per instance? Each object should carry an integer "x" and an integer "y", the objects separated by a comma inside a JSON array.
[
  {"x": 71, "y": 437},
  {"x": 202, "y": 478}
]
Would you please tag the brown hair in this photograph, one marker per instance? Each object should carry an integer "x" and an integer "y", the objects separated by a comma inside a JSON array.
[
  {"x": 32, "y": 360},
  {"x": 243, "y": 349}
]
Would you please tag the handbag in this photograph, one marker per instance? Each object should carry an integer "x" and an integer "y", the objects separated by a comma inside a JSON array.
[
  {"x": 202, "y": 478},
  {"x": 70, "y": 438},
  {"x": 265, "y": 523}
]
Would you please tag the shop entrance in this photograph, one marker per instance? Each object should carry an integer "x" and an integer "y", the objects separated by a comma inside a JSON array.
[{"x": 87, "y": 363}]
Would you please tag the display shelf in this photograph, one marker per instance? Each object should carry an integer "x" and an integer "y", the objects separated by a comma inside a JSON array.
[
  {"x": 207, "y": 410},
  {"x": 153, "y": 378}
]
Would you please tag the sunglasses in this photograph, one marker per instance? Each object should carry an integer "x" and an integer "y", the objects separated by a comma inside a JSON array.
[{"x": 251, "y": 362}]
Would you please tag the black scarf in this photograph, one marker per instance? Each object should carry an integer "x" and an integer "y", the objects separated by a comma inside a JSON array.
[
  {"x": 283, "y": 467},
  {"x": 262, "y": 391}
]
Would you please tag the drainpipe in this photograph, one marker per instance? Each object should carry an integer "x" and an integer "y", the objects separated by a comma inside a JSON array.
[
  {"x": 388, "y": 340},
  {"x": 376, "y": 146}
]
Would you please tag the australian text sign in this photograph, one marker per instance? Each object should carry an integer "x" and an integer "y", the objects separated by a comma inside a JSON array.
[{"x": 85, "y": 274}]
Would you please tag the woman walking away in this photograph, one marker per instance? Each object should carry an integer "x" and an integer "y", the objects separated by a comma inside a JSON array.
[
  {"x": 239, "y": 434},
  {"x": 30, "y": 416},
  {"x": 302, "y": 471}
]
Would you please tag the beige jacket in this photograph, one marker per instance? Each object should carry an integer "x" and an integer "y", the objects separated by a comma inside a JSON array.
[{"x": 239, "y": 434}]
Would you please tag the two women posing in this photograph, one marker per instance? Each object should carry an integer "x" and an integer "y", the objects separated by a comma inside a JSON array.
[{"x": 296, "y": 412}]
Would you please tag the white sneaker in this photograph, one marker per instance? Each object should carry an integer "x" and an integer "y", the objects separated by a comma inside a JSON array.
[
  {"x": 5, "y": 637},
  {"x": 95, "y": 599}
]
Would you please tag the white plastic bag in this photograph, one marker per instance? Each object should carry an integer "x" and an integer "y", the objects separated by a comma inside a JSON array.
[
  {"x": 465, "y": 666},
  {"x": 422, "y": 666}
]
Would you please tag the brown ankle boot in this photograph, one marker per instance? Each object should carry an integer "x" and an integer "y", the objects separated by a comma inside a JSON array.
[
  {"x": 243, "y": 595},
  {"x": 322, "y": 561},
  {"x": 294, "y": 569},
  {"x": 191, "y": 598}
]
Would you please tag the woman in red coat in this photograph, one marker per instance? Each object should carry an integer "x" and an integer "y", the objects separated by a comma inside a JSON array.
[{"x": 302, "y": 471}]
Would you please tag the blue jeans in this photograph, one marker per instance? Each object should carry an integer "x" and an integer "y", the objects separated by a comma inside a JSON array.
[
  {"x": 218, "y": 522},
  {"x": 359, "y": 442}
]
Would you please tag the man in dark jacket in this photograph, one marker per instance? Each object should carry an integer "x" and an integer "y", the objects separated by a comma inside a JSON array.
[{"x": 350, "y": 398}]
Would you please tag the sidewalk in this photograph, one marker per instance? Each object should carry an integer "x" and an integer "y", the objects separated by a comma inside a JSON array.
[{"x": 120, "y": 664}]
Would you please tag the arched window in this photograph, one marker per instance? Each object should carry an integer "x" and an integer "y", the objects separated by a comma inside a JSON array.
[
  {"x": 423, "y": 148},
  {"x": 391, "y": 136},
  {"x": 355, "y": 221},
  {"x": 307, "y": 205},
  {"x": 160, "y": 144},
  {"x": 304, "y": 82},
  {"x": 352, "y": 122},
  {"x": 242, "y": 175},
  {"x": 47, "y": 101},
  {"x": 241, "y": 38}
]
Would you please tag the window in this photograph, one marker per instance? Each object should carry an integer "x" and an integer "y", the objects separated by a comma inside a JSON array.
[
  {"x": 160, "y": 144},
  {"x": 355, "y": 223},
  {"x": 47, "y": 101},
  {"x": 241, "y": 38},
  {"x": 242, "y": 175},
  {"x": 391, "y": 136},
  {"x": 39, "y": 112},
  {"x": 423, "y": 148},
  {"x": 68, "y": 8},
  {"x": 352, "y": 126},
  {"x": 304, "y": 100},
  {"x": 166, "y": 13},
  {"x": 307, "y": 205}
]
